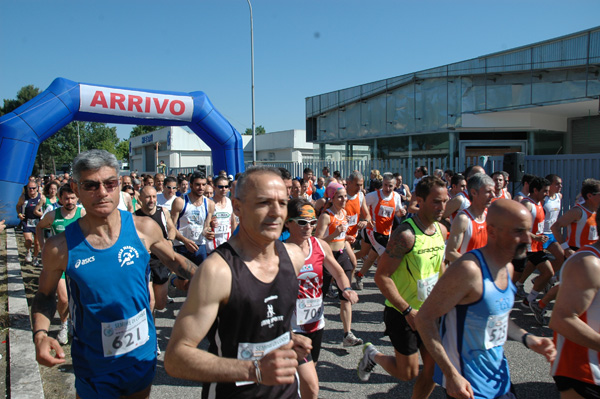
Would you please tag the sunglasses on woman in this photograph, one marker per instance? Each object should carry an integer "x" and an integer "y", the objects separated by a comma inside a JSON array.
[{"x": 304, "y": 222}]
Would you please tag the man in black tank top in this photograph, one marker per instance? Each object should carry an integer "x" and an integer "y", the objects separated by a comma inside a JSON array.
[
  {"x": 159, "y": 273},
  {"x": 243, "y": 299}
]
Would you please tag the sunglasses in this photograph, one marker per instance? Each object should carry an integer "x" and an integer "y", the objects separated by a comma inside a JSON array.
[
  {"x": 32, "y": 188},
  {"x": 171, "y": 187},
  {"x": 304, "y": 222},
  {"x": 90, "y": 185},
  {"x": 220, "y": 186}
]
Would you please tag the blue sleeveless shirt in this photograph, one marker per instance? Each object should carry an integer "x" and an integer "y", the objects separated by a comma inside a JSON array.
[
  {"x": 473, "y": 336},
  {"x": 109, "y": 301}
]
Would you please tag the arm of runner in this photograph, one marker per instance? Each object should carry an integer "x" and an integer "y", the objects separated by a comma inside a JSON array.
[
  {"x": 334, "y": 268},
  {"x": 457, "y": 286},
  {"x": 365, "y": 216},
  {"x": 176, "y": 208},
  {"x": 209, "y": 289},
  {"x": 561, "y": 224},
  {"x": 457, "y": 233},
  {"x": 151, "y": 235},
  {"x": 579, "y": 285},
  {"x": 408, "y": 195},
  {"x": 401, "y": 242},
  {"x": 451, "y": 206},
  {"x": 543, "y": 346},
  {"x": 400, "y": 211},
  {"x": 19, "y": 207},
  {"x": 413, "y": 206},
  {"x": 54, "y": 258},
  {"x": 38, "y": 208},
  {"x": 208, "y": 232},
  {"x": 45, "y": 223},
  {"x": 171, "y": 230}
]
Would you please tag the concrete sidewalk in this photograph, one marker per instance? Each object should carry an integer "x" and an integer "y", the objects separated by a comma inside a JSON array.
[{"x": 25, "y": 379}]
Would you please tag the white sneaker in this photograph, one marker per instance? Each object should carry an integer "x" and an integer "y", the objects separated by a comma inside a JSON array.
[
  {"x": 367, "y": 363},
  {"x": 158, "y": 352},
  {"x": 170, "y": 300},
  {"x": 351, "y": 340},
  {"x": 36, "y": 262},
  {"x": 28, "y": 257},
  {"x": 63, "y": 334}
]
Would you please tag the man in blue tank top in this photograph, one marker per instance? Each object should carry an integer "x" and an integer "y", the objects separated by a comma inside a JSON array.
[
  {"x": 243, "y": 299},
  {"x": 114, "y": 339},
  {"x": 468, "y": 345}
]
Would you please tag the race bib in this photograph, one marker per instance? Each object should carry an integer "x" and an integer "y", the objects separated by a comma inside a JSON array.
[
  {"x": 32, "y": 222},
  {"x": 386, "y": 211},
  {"x": 256, "y": 351},
  {"x": 196, "y": 231},
  {"x": 309, "y": 310},
  {"x": 352, "y": 220},
  {"x": 123, "y": 336},
  {"x": 223, "y": 228},
  {"x": 496, "y": 330},
  {"x": 593, "y": 236},
  {"x": 425, "y": 286},
  {"x": 540, "y": 228}
]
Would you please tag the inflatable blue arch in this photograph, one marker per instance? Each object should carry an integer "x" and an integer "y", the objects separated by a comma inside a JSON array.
[{"x": 64, "y": 101}]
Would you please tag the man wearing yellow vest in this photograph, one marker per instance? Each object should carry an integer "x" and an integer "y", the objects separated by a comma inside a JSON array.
[{"x": 406, "y": 274}]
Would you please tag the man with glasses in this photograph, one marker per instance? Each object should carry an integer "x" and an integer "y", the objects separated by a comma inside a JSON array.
[
  {"x": 166, "y": 198},
  {"x": 26, "y": 207},
  {"x": 114, "y": 338},
  {"x": 223, "y": 222}
]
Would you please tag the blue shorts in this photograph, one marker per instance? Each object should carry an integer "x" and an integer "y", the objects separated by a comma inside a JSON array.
[
  {"x": 120, "y": 383},
  {"x": 551, "y": 239},
  {"x": 196, "y": 257}
]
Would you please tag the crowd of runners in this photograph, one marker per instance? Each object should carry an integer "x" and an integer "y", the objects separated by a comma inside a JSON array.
[{"x": 257, "y": 253}]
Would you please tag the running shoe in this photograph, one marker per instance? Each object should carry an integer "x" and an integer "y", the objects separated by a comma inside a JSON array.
[
  {"x": 332, "y": 292},
  {"x": 158, "y": 352},
  {"x": 367, "y": 363},
  {"x": 63, "y": 334},
  {"x": 538, "y": 313},
  {"x": 359, "y": 281},
  {"x": 170, "y": 300},
  {"x": 36, "y": 262},
  {"x": 28, "y": 257},
  {"x": 521, "y": 292},
  {"x": 351, "y": 340},
  {"x": 525, "y": 303}
]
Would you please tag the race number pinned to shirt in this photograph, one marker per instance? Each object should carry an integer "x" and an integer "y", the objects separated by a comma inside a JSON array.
[
  {"x": 386, "y": 211},
  {"x": 425, "y": 286},
  {"x": 593, "y": 236},
  {"x": 256, "y": 351},
  {"x": 496, "y": 330},
  {"x": 352, "y": 220},
  {"x": 309, "y": 310},
  {"x": 123, "y": 336}
]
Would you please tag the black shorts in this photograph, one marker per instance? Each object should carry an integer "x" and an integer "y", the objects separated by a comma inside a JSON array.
[
  {"x": 519, "y": 264},
  {"x": 537, "y": 257},
  {"x": 316, "y": 338},
  {"x": 583, "y": 389},
  {"x": 404, "y": 339},
  {"x": 344, "y": 260},
  {"x": 159, "y": 274}
]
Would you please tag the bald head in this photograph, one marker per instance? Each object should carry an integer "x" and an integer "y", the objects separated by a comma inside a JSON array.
[
  {"x": 505, "y": 212},
  {"x": 147, "y": 199}
]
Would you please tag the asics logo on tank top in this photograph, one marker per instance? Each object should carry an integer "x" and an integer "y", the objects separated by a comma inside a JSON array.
[
  {"x": 272, "y": 318},
  {"x": 127, "y": 255},
  {"x": 82, "y": 262}
]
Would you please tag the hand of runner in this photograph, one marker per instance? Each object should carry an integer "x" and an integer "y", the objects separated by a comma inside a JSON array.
[
  {"x": 279, "y": 366},
  {"x": 458, "y": 387},
  {"x": 410, "y": 319},
  {"x": 191, "y": 246},
  {"x": 543, "y": 346},
  {"x": 568, "y": 252},
  {"x": 351, "y": 239},
  {"x": 209, "y": 234},
  {"x": 43, "y": 351},
  {"x": 351, "y": 296},
  {"x": 302, "y": 345}
]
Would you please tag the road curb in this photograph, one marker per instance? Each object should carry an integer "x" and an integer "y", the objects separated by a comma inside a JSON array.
[{"x": 25, "y": 378}]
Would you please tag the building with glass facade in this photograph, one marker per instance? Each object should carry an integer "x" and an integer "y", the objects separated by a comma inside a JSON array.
[{"x": 539, "y": 99}]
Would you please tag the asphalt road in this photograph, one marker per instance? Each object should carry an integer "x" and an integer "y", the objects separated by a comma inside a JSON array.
[{"x": 337, "y": 365}]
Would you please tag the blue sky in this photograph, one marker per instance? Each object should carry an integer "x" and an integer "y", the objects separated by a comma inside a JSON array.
[{"x": 302, "y": 48}]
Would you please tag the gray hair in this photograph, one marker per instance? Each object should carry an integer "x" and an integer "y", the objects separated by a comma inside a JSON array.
[
  {"x": 477, "y": 181},
  {"x": 241, "y": 185},
  {"x": 93, "y": 160},
  {"x": 356, "y": 175},
  {"x": 388, "y": 176}
]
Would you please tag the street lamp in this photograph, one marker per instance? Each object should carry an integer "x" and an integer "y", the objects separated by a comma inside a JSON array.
[{"x": 252, "y": 72}]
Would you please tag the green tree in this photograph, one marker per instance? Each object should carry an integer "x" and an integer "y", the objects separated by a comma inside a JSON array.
[
  {"x": 259, "y": 130},
  {"x": 25, "y": 94},
  {"x": 123, "y": 150},
  {"x": 141, "y": 129}
]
